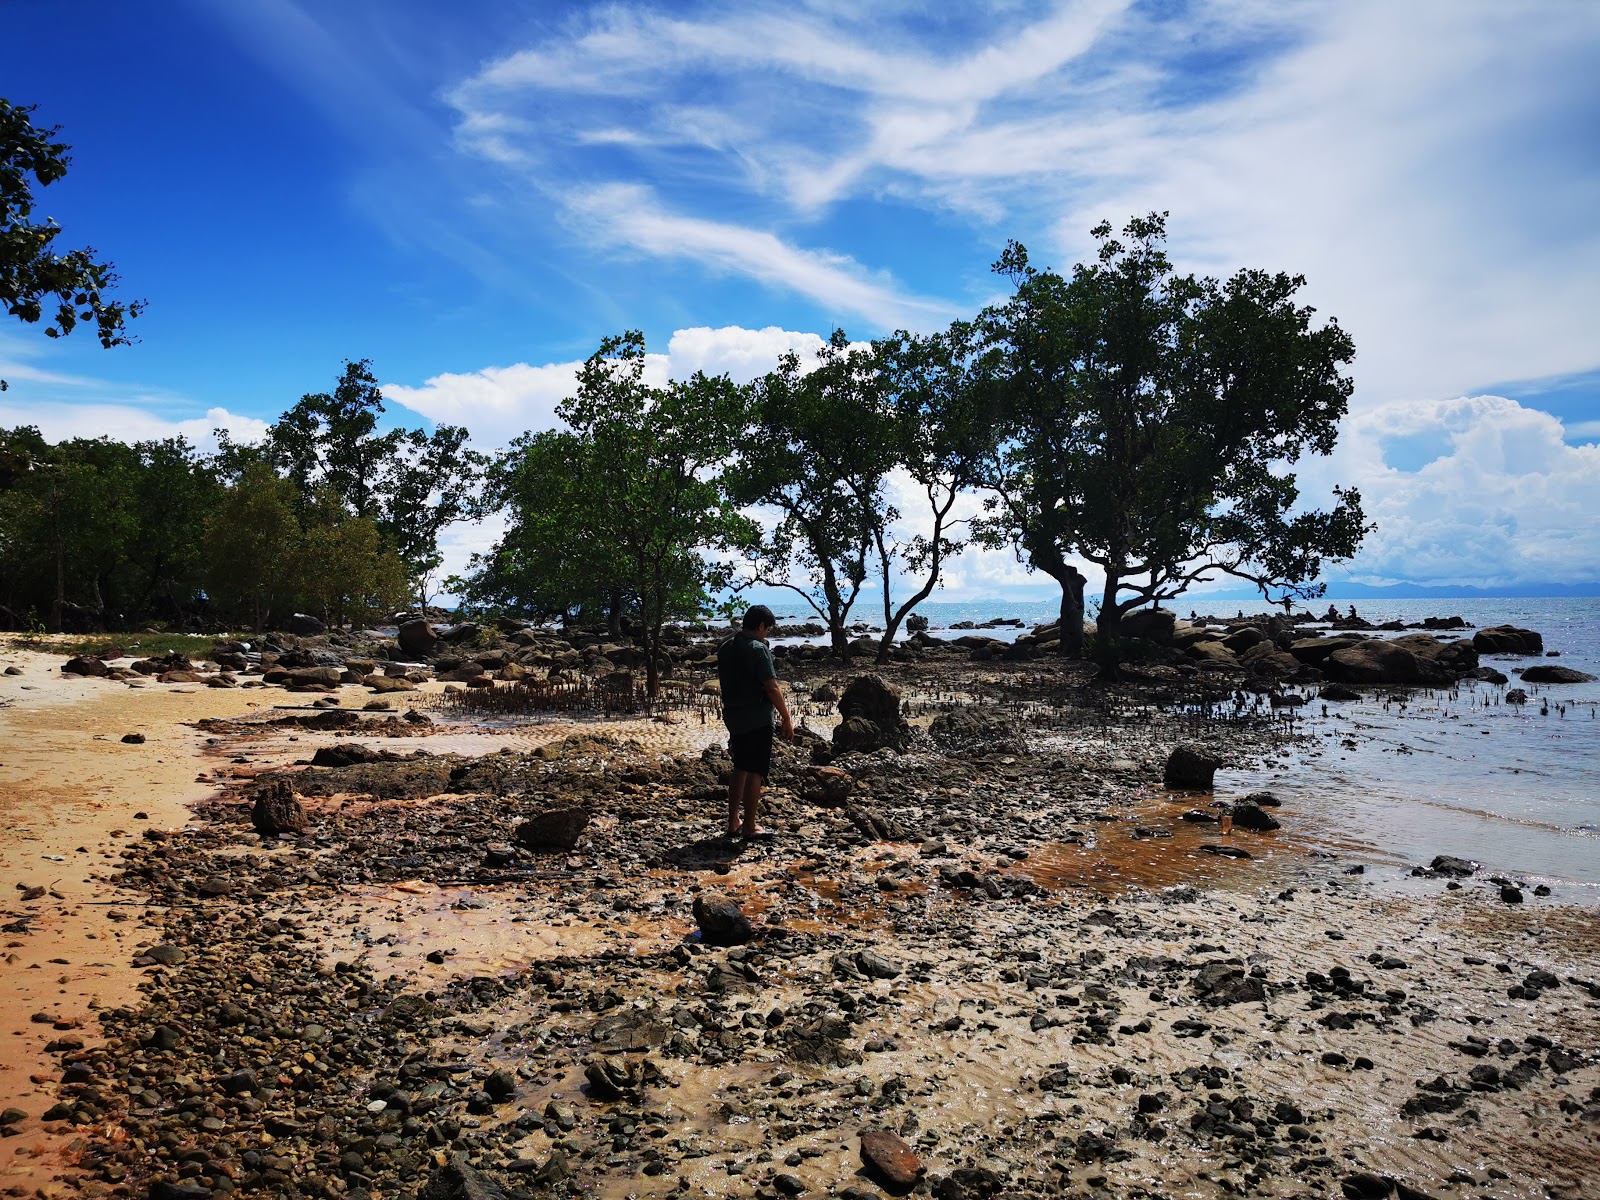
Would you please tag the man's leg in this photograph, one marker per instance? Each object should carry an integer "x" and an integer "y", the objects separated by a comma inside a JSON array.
[
  {"x": 752, "y": 803},
  {"x": 737, "y": 785}
]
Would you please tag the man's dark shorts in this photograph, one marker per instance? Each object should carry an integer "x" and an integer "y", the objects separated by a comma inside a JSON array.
[{"x": 752, "y": 751}]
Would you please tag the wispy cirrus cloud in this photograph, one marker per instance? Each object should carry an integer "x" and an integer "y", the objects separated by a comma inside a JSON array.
[{"x": 1423, "y": 164}]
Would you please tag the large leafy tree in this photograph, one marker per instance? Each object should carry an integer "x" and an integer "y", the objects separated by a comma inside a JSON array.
[
  {"x": 252, "y": 541},
  {"x": 648, "y": 509},
  {"x": 1153, "y": 419},
  {"x": 539, "y": 568},
  {"x": 815, "y": 453},
  {"x": 37, "y": 282},
  {"x": 411, "y": 484}
]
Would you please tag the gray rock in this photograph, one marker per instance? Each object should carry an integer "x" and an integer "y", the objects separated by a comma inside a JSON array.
[
  {"x": 1546, "y": 673},
  {"x": 458, "y": 1180},
  {"x": 417, "y": 639},
  {"x": 1507, "y": 639}
]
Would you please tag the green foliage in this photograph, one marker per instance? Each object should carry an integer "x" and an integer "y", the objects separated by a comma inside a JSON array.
[
  {"x": 816, "y": 449},
  {"x": 252, "y": 540},
  {"x": 1151, "y": 416},
  {"x": 629, "y": 502},
  {"x": 411, "y": 484},
  {"x": 36, "y": 282}
]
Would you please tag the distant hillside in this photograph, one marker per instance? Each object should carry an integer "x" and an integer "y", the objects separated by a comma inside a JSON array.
[{"x": 1413, "y": 591}]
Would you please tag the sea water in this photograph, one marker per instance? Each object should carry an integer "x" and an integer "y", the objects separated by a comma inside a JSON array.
[{"x": 1394, "y": 782}]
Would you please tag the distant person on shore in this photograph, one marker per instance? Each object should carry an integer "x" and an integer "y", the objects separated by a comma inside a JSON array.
[
  {"x": 1333, "y": 612},
  {"x": 751, "y": 698}
]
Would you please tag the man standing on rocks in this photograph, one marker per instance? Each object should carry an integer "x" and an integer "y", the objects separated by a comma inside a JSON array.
[{"x": 750, "y": 697}]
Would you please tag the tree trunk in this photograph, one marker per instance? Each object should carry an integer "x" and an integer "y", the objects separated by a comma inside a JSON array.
[
  {"x": 1107, "y": 629},
  {"x": 652, "y": 668},
  {"x": 614, "y": 617},
  {"x": 1071, "y": 643}
]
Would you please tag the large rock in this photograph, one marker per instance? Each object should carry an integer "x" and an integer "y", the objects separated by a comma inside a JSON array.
[
  {"x": 1550, "y": 673},
  {"x": 304, "y": 625},
  {"x": 969, "y": 728},
  {"x": 1379, "y": 661},
  {"x": 1153, "y": 624},
  {"x": 458, "y": 1180},
  {"x": 558, "y": 829},
  {"x": 277, "y": 810},
  {"x": 870, "y": 709},
  {"x": 1457, "y": 658},
  {"x": 1316, "y": 650},
  {"x": 417, "y": 638},
  {"x": 1192, "y": 768},
  {"x": 722, "y": 922},
  {"x": 307, "y": 679},
  {"x": 889, "y": 1160},
  {"x": 1507, "y": 639},
  {"x": 85, "y": 665}
]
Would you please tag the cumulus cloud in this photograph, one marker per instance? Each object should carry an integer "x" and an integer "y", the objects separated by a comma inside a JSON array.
[
  {"x": 128, "y": 423},
  {"x": 1504, "y": 498},
  {"x": 499, "y": 404}
]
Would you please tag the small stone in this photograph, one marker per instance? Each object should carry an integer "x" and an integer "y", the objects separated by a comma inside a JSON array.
[{"x": 133, "y": 739}]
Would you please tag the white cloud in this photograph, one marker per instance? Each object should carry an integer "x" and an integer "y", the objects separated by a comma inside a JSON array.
[
  {"x": 1419, "y": 162},
  {"x": 500, "y": 403},
  {"x": 1507, "y": 501},
  {"x": 127, "y": 423},
  {"x": 631, "y": 216}
]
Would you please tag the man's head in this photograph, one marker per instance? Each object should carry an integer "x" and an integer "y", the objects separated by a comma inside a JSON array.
[{"x": 759, "y": 619}]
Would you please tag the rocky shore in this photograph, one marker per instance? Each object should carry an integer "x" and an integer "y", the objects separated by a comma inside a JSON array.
[{"x": 999, "y": 944}]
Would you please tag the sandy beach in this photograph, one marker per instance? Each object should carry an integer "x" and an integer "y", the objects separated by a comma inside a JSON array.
[{"x": 1018, "y": 973}]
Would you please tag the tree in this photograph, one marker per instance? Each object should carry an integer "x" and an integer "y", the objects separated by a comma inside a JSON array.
[
  {"x": 1153, "y": 417},
  {"x": 816, "y": 450},
  {"x": 539, "y": 567},
  {"x": 940, "y": 395},
  {"x": 341, "y": 570},
  {"x": 412, "y": 484},
  {"x": 36, "y": 283},
  {"x": 647, "y": 499},
  {"x": 252, "y": 541}
]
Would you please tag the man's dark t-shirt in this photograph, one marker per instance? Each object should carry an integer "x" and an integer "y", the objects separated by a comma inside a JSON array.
[{"x": 744, "y": 664}]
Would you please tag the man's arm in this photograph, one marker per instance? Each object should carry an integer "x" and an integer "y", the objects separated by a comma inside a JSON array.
[{"x": 775, "y": 694}]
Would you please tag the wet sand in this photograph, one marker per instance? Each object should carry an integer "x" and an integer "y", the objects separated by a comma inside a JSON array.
[{"x": 1057, "y": 1038}]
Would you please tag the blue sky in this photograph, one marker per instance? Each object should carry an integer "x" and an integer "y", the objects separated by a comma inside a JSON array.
[{"x": 473, "y": 195}]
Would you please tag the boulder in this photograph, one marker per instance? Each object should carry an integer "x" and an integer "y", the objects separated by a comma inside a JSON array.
[
  {"x": 1455, "y": 657},
  {"x": 1254, "y": 818},
  {"x": 1507, "y": 639},
  {"x": 417, "y": 638},
  {"x": 969, "y": 728},
  {"x": 558, "y": 829},
  {"x": 304, "y": 625},
  {"x": 1264, "y": 659},
  {"x": 827, "y": 786},
  {"x": 1379, "y": 661},
  {"x": 458, "y": 1180},
  {"x": 307, "y": 679},
  {"x": 1152, "y": 624},
  {"x": 872, "y": 719},
  {"x": 722, "y": 922},
  {"x": 463, "y": 632},
  {"x": 1192, "y": 768},
  {"x": 379, "y": 684},
  {"x": 1210, "y": 651},
  {"x": 1339, "y": 691},
  {"x": 1241, "y": 640},
  {"x": 1316, "y": 650},
  {"x": 1547, "y": 673},
  {"x": 276, "y": 810},
  {"x": 85, "y": 665}
]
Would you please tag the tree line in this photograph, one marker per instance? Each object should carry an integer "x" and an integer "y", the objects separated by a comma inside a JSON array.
[
  {"x": 328, "y": 515},
  {"x": 1122, "y": 414}
]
